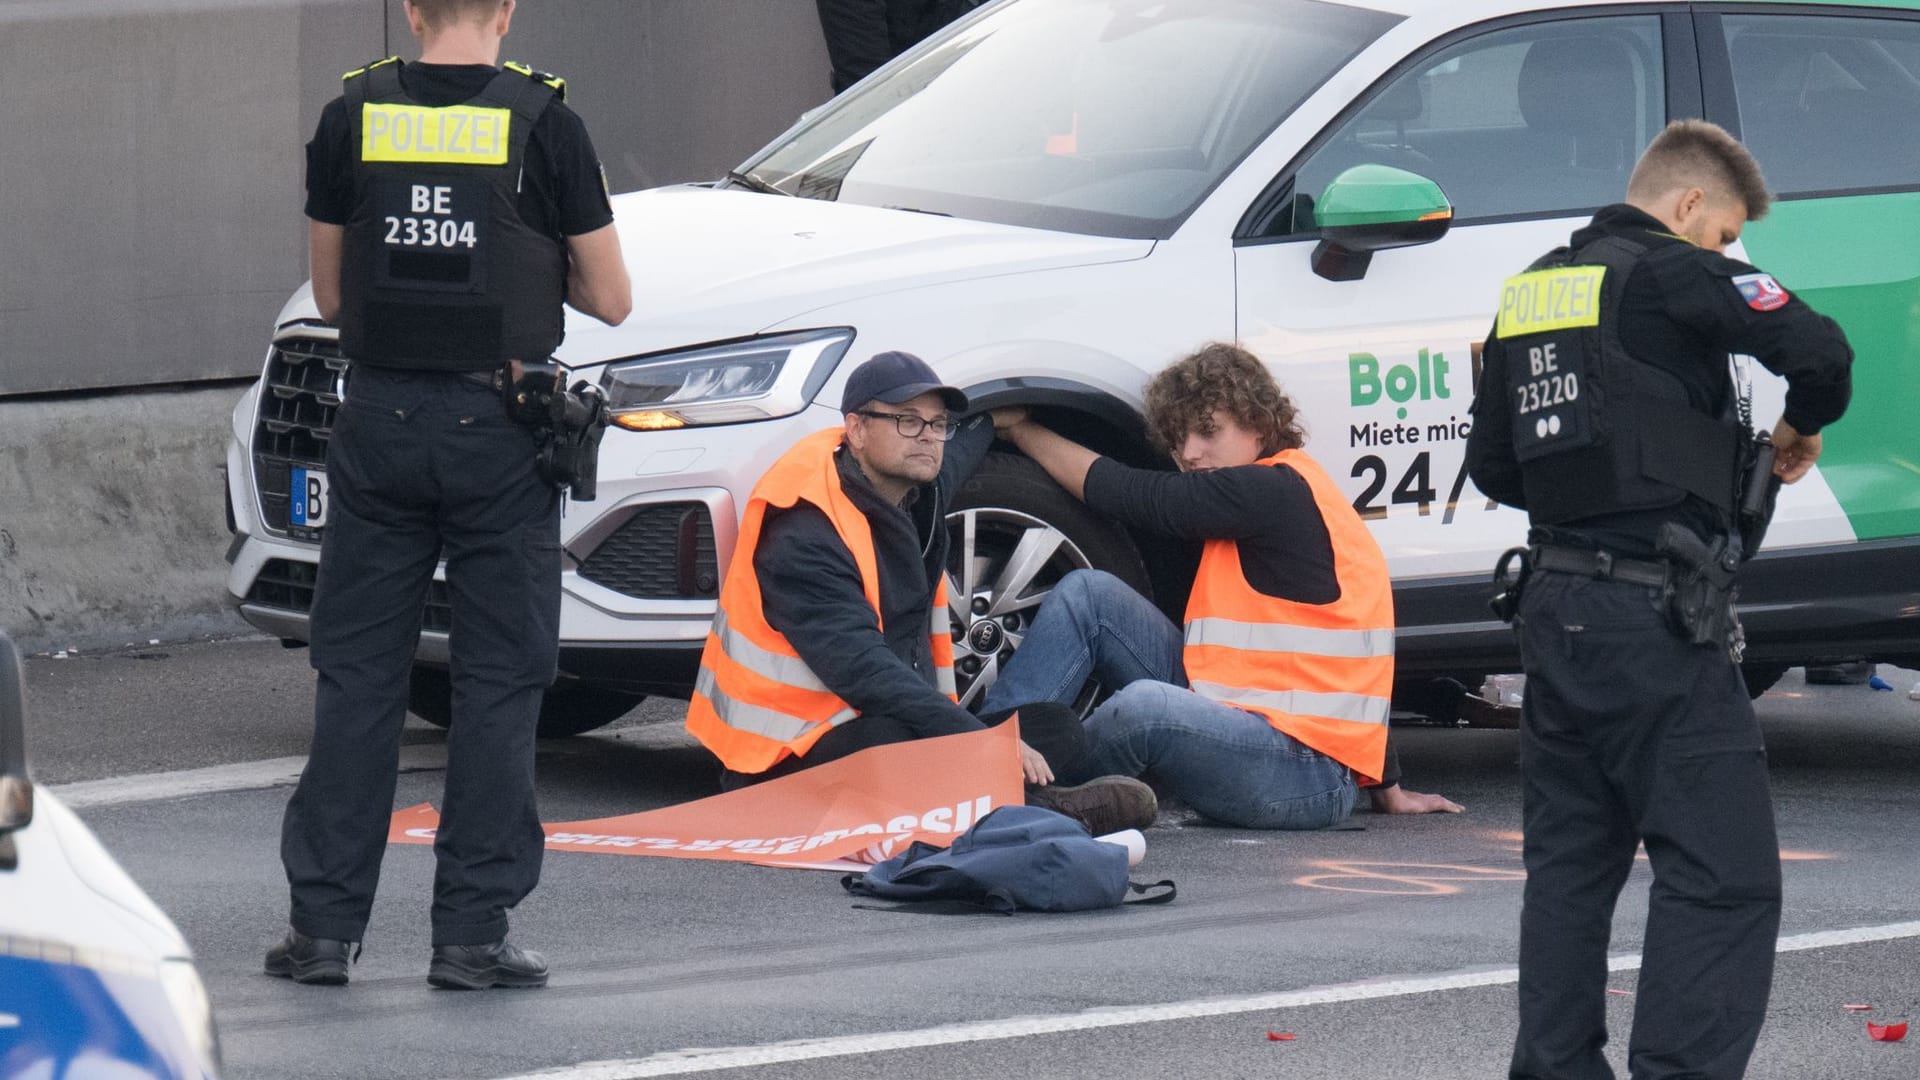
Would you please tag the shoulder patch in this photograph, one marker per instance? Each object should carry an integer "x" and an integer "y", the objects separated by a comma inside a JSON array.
[{"x": 1761, "y": 292}]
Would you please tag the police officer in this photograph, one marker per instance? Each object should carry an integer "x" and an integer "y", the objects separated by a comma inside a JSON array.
[
  {"x": 454, "y": 206},
  {"x": 864, "y": 34},
  {"x": 1607, "y": 411}
]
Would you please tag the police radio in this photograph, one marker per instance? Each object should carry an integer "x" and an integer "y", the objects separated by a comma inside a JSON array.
[
  {"x": 569, "y": 421},
  {"x": 1759, "y": 489}
]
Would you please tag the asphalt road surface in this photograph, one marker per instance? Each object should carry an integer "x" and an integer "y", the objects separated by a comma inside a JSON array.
[{"x": 1384, "y": 949}]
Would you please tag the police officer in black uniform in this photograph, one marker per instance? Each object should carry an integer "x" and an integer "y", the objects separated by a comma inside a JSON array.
[
  {"x": 1607, "y": 411},
  {"x": 864, "y": 34},
  {"x": 454, "y": 207}
]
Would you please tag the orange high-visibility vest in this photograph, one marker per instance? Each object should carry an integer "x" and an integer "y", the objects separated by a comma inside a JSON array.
[
  {"x": 755, "y": 701},
  {"x": 1322, "y": 673}
]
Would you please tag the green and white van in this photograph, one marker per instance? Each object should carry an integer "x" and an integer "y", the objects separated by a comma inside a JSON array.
[{"x": 1054, "y": 198}]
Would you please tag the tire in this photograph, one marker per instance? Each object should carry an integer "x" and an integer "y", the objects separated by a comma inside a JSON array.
[
  {"x": 567, "y": 710},
  {"x": 1014, "y": 534}
]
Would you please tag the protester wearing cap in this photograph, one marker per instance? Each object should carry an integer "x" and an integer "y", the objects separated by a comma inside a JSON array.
[{"x": 832, "y": 634}]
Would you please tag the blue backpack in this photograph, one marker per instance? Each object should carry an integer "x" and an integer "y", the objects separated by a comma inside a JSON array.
[{"x": 1015, "y": 858}]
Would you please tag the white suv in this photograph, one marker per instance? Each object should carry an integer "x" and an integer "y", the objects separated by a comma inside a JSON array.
[{"x": 1054, "y": 198}]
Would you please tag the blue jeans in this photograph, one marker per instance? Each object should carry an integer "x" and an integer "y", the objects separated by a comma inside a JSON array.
[{"x": 1227, "y": 763}]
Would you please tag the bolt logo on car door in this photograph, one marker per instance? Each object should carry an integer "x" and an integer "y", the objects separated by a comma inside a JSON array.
[{"x": 1428, "y": 377}]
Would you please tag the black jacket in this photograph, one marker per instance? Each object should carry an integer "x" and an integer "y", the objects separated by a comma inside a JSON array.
[
  {"x": 1285, "y": 549},
  {"x": 812, "y": 593},
  {"x": 1682, "y": 313}
]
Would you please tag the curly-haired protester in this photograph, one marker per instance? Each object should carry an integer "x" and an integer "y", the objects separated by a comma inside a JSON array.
[{"x": 1269, "y": 709}]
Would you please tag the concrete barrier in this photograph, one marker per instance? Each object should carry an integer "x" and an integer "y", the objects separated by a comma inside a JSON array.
[{"x": 113, "y": 518}]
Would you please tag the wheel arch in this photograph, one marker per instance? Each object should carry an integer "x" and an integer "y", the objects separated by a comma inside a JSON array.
[{"x": 1112, "y": 426}]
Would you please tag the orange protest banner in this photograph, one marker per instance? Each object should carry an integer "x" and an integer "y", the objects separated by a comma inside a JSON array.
[{"x": 889, "y": 796}]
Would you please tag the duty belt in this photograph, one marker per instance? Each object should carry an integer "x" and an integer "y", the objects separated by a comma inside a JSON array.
[{"x": 1593, "y": 563}]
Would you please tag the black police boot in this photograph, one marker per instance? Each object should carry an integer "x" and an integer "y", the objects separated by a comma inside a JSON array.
[
  {"x": 478, "y": 967},
  {"x": 311, "y": 960}
]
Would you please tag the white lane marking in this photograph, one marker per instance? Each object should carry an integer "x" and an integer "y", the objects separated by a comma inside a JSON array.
[
  {"x": 213, "y": 780},
  {"x": 682, "y": 1062}
]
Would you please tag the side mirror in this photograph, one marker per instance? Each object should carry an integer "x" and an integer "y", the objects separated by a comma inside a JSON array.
[
  {"x": 1372, "y": 208},
  {"x": 16, "y": 791}
]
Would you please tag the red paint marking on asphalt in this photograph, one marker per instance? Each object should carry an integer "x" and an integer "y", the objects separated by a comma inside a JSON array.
[{"x": 1401, "y": 878}]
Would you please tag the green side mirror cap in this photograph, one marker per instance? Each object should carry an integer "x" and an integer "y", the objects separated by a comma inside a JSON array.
[
  {"x": 1380, "y": 195},
  {"x": 1371, "y": 208}
]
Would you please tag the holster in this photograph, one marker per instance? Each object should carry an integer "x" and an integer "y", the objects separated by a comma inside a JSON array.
[
  {"x": 570, "y": 453},
  {"x": 1506, "y": 603},
  {"x": 1701, "y": 592},
  {"x": 568, "y": 422}
]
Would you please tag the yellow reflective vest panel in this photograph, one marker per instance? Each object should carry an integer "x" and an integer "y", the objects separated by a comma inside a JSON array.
[
  {"x": 1322, "y": 673},
  {"x": 755, "y": 701}
]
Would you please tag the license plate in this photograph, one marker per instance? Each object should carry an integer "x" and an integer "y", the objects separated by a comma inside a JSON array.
[{"x": 308, "y": 506}]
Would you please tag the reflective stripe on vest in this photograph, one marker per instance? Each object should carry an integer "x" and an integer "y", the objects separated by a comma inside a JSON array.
[
  {"x": 1277, "y": 637},
  {"x": 765, "y": 663},
  {"x": 940, "y": 632},
  {"x": 1321, "y": 673},
  {"x": 794, "y": 672},
  {"x": 755, "y": 700},
  {"x": 1353, "y": 708},
  {"x": 758, "y": 719}
]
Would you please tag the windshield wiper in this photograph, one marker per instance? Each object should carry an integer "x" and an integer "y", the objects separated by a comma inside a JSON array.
[
  {"x": 752, "y": 183},
  {"x": 917, "y": 210}
]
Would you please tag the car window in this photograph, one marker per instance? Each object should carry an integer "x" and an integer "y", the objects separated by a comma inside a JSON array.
[
  {"x": 1828, "y": 103},
  {"x": 1113, "y": 117},
  {"x": 1536, "y": 119}
]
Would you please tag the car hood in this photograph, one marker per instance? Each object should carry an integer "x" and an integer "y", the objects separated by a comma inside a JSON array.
[{"x": 710, "y": 264}]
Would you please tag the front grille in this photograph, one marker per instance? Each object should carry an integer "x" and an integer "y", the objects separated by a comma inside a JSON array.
[
  {"x": 288, "y": 585},
  {"x": 664, "y": 551},
  {"x": 298, "y": 399}
]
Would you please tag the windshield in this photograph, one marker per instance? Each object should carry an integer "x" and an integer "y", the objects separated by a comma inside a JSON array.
[{"x": 1110, "y": 117}]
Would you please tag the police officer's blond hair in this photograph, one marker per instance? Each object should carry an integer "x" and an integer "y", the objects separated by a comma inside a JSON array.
[
  {"x": 1696, "y": 153},
  {"x": 438, "y": 13}
]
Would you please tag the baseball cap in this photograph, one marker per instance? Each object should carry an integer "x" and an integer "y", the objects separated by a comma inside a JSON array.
[{"x": 894, "y": 377}]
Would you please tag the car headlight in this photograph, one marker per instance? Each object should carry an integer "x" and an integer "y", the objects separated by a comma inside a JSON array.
[
  {"x": 756, "y": 379},
  {"x": 194, "y": 1010}
]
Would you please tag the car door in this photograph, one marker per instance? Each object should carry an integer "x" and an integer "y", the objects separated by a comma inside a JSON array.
[
  {"x": 1527, "y": 127},
  {"x": 1829, "y": 103}
]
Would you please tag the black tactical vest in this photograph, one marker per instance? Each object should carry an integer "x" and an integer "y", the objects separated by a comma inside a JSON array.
[
  {"x": 1595, "y": 430},
  {"x": 439, "y": 271}
]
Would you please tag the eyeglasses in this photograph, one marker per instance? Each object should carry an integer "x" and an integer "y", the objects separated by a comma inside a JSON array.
[{"x": 910, "y": 425}]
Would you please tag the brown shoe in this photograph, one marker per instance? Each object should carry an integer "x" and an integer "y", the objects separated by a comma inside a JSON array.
[{"x": 1106, "y": 804}]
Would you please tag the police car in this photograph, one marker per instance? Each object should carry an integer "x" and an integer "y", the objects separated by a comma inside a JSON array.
[
  {"x": 1054, "y": 198},
  {"x": 94, "y": 979}
]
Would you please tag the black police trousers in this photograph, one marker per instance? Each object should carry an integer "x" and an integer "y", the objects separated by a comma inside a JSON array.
[
  {"x": 420, "y": 465},
  {"x": 1631, "y": 735}
]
